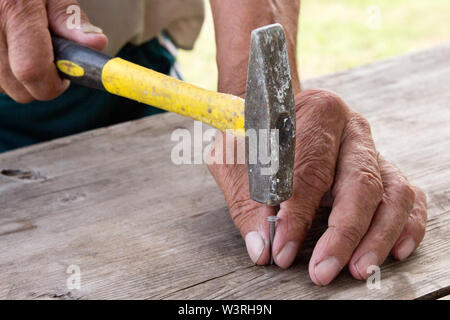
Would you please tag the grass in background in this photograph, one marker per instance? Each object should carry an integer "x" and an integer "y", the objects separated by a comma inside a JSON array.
[{"x": 341, "y": 34}]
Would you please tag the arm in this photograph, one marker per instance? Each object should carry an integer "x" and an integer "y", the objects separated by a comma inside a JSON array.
[{"x": 234, "y": 22}]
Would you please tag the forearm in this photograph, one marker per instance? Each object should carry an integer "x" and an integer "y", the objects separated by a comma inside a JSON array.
[{"x": 234, "y": 20}]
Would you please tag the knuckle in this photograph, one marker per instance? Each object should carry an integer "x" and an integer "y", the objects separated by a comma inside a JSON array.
[
  {"x": 299, "y": 219},
  {"x": 7, "y": 5},
  {"x": 11, "y": 10},
  {"x": 417, "y": 227},
  {"x": 421, "y": 230},
  {"x": 58, "y": 11},
  {"x": 28, "y": 71},
  {"x": 350, "y": 232},
  {"x": 388, "y": 235},
  {"x": 329, "y": 98},
  {"x": 399, "y": 193},
  {"x": 419, "y": 214},
  {"x": 420, "y": 198},
  {"x": 361, "y": 121},
  {"x": 242, "y": 211},
  {"x": 358, "y": 126},
  {"x": 327, "y": 102},
  {"x": 372, "y": 182},
  {"x": 422, "y": 226},
  {"x": 404, "y": 194},
  {"x": 316, "y": 174}
]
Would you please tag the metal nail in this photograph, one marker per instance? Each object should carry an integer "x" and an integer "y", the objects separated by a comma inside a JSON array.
[{"x": 272, "y": 220}]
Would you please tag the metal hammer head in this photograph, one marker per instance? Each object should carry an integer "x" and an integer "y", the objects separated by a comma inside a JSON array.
[{"x": 269, "y": 117}]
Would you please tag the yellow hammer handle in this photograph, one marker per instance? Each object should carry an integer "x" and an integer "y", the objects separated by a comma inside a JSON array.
[{"x": 126, "y": 79}]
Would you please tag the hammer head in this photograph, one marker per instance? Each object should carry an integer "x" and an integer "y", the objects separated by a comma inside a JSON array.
[{"x": 270, "y": 117}]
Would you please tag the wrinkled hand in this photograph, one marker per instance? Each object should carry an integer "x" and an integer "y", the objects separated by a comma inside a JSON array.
[
  {"x": 27, "y": 71},
  {"x": 375, "y": 211}
]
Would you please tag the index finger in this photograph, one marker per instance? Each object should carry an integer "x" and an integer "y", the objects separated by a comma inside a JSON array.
[{"x": 320, "y": 122}]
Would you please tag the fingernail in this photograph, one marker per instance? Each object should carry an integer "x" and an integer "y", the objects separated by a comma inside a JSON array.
[
  {"x": 89, "y": 28},
  {"x": 327, "y": 270},
  {"x": 65, "y": 84},
  {"x": 364, "y": 262},
  {"x": 255, "y": 245},
  {"x": 405, "y": 248},
  {"x": 287, "y": 255}
]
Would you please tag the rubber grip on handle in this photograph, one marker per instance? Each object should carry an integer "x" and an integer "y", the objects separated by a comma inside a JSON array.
[
  {"x": 94, "y": 69},
  {"x": 80, "y": 64}
]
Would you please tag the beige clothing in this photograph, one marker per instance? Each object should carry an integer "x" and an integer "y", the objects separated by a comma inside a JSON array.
[{"x": 138, "y": 21}]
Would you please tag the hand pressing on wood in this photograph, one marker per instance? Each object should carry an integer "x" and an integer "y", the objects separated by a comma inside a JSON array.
[
  {"x": 27, "y": 71},
  {"x": 375, "y": 211}
]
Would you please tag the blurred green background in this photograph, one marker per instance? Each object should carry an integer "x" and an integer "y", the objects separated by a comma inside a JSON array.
[{"x": 340, "y": 34}]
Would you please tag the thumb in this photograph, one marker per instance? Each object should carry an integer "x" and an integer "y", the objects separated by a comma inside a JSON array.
[
  {"x": 250, "y": 217},
  {"x": 69, "y": 21}
]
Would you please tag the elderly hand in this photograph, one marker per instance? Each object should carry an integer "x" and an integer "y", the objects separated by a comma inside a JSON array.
[
  {"x": 375, "y": 211},
  {"x": 27, "y": 71}
]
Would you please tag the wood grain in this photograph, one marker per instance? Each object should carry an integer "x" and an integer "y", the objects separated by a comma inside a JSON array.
[{"x": 111, "y": 202}]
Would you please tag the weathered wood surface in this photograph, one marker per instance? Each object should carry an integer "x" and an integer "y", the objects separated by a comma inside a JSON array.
[{"x": 111, "y": 202}]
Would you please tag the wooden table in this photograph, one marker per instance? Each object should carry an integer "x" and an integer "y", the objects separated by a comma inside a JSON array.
[{"x": 112, "y": 203}]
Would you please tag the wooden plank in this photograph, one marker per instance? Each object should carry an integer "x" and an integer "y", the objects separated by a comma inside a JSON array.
[{"x": 111, "y": 202}]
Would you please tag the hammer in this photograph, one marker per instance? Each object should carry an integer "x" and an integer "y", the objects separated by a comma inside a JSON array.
[{"x": 268, "y": 109}]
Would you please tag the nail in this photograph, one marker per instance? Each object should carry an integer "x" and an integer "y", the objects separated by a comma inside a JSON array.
[
  {"x": 255, "y": 245},
  {"x": 327, "y": 270},
  {"x": 272, "y": 220},
  {"x": 287, "y": 255},
  {"x": 405, "y": 248},
  {"x": 89, "y": 28},
  {"x": 364, "y": 262}
]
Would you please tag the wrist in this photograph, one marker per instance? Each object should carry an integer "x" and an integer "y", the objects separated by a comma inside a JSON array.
[
  {"x": 233, "y": 26},
  {"x": 233, "y": 76},
  {"x": 233, "y": 79}
]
